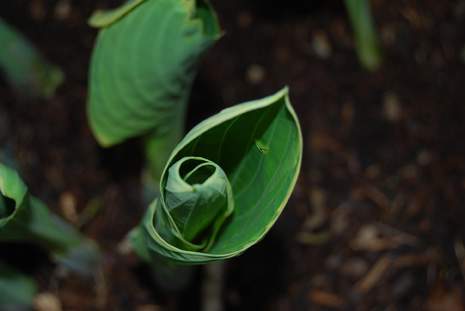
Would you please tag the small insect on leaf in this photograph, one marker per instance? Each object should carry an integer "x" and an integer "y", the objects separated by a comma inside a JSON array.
[{"x": 262, "y": 147}]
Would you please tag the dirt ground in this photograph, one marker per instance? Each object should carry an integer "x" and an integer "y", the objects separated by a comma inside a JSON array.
[{"x": 376, "y": 220}]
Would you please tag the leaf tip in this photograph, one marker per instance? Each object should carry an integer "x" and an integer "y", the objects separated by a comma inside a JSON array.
[{"x": 104, "y": 18}]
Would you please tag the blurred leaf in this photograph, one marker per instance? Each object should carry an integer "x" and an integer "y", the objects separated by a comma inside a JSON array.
[
  {"x": 25, "y": 218},
  {"x": 366, "y": 37},
  {"x": 24, "y": 68},
  {"x": 15, "y": 289}
]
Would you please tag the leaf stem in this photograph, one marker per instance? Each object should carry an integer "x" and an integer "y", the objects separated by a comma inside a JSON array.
[
  {"x": 35, "y": 222},
  {"x": 366, "y": 37},
  {"x": 160, "y": 143}
]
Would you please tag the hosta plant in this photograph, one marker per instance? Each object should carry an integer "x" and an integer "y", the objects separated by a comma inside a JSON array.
[
  {"x": 23, "y": 217},
  {"x": 142, "y": 68},
  {"x": 225, "y": 184}
]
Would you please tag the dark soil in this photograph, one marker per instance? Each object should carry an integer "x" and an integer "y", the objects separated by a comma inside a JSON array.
[{"x": 376, "y": 221}]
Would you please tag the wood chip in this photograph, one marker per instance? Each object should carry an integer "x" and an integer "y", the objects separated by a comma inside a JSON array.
[
  {"x": 308, "y": 238},
  {"x": 442, "y": 298},
  {"x": 412, "y": 260},
  {"x": 255, "y": 74},
  {"x": 63, "y": 9},
  {"x": 326, "y": 299},
  {"x": 68, "y": 207},
  {"x": 379, "y": 237},
  {"x": 460, "y": 254},
  {"x": 354, "y": 267},
  {"x": 321, "y": 46},
  {"x": 374, "y": 276},
  {"x": 392, "y": 108},
  {"x": 148, "y": 308},
  {"x": 244, "y": 19},
  {"x": 318, "y": 216},
  {"x": 47, "y": 302},
  {"x": 374, "y": 195},
  {"x": 322, "y": 141}
]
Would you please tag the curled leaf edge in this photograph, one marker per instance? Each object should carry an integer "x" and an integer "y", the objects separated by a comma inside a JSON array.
[{"x": 200, "y": 129}]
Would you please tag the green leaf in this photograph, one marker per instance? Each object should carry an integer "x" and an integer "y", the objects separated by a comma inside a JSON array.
[
  {"x": 366, "y": 36},
  {"x": 16, "y": 289},
  {"x": 24, "y": 67},
  {"x": 13, "y": 192},
  {"x": 225, "y": 184},
  {"x": 25, "y": 218},
  {"x": 142, "y": 68},
  {"x": 105, "y": 18}
]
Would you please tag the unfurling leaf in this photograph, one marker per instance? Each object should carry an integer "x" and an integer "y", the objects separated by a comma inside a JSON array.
[
  {"x": 225, "y": 184},
  {"x": 25, "y": 218}
]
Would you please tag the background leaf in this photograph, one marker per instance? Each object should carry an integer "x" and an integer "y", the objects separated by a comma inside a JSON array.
[
  {"x": 366, "y": 37},
  {"x": 28, "y": 219},
  {"x": 143, "y": 66},
  {"x": 15, "y": 289},
  {"x": 24, "y": 67}
]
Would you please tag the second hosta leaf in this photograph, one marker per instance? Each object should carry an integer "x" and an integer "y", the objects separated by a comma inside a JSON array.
[
  {"x": 143, "y": 66},
  {"x": 23, "y": 217},
  {"x": 225, "y": 184}
]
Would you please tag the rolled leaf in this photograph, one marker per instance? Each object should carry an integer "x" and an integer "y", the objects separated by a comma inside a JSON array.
[
  {"x": 16, "y": 289},
  {"x": 225, "y": 184},
  {"x": 24, "y": 67},
  {"x": 25, "y": 218},
  {"x": 142, "y": 69}
]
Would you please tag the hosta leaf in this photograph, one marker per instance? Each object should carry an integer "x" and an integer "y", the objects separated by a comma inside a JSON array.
[
  {"x": 15, "y": 289},
  {"x": 25, "y": 218},
  {"x": 225, "y": 184},
  {"x": 143, "y": 66},
  {"x": 106, "y": 18},
  {"x": 24, "y": 67}
]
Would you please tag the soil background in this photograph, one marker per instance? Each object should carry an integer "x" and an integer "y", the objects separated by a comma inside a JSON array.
[{"x": 376, "y": 220}]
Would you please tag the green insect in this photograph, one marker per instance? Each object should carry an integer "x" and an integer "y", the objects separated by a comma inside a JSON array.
[{"x": 262, "y": 147}]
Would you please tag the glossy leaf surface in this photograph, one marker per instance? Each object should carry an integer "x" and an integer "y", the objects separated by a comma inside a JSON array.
[{"x": 225, "y": 184}]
